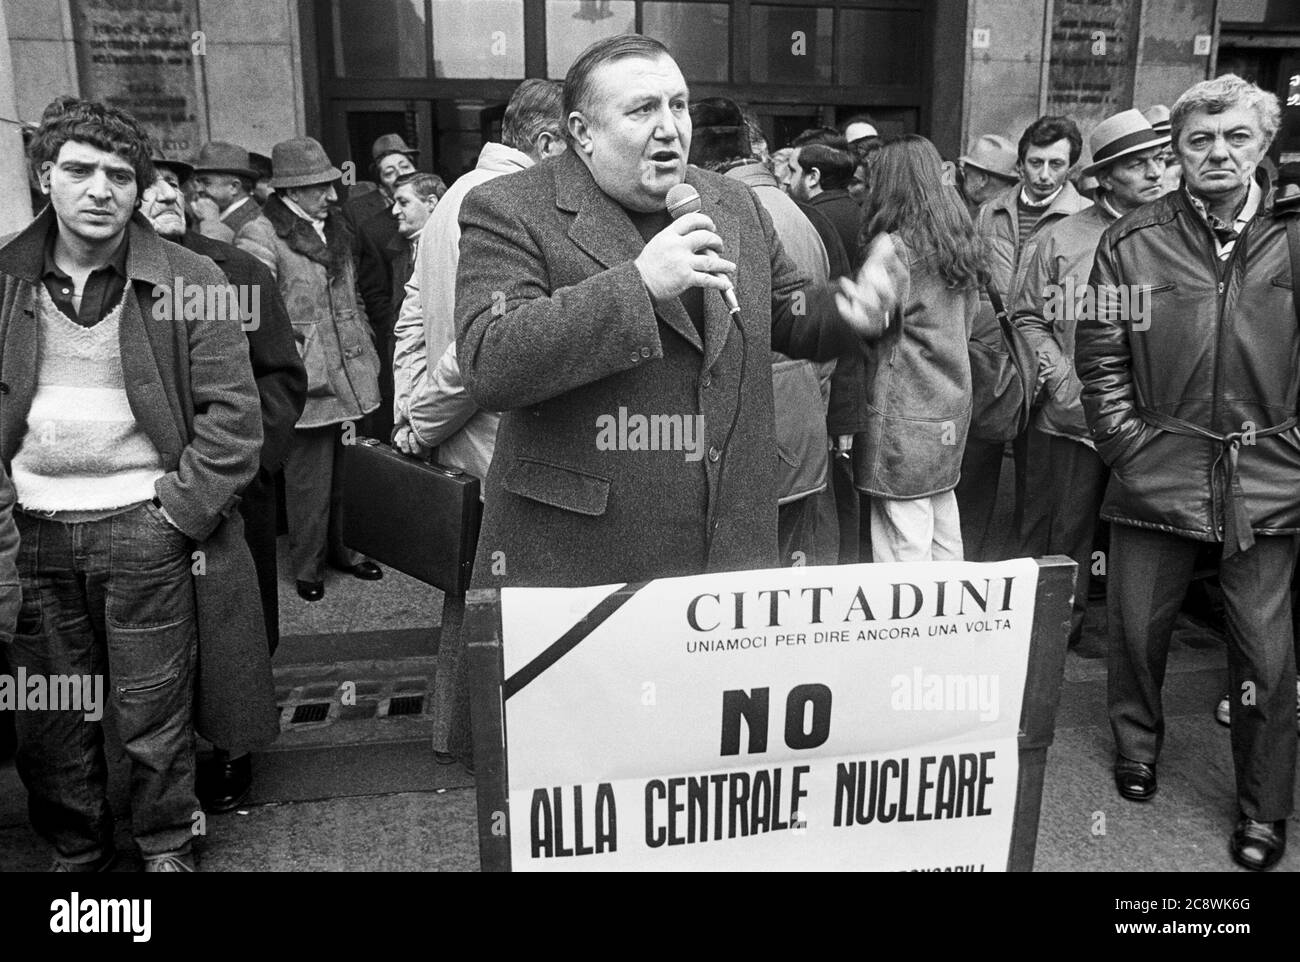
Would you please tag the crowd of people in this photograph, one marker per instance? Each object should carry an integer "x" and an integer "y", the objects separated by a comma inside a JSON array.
[{"x": 812, "y": 309}]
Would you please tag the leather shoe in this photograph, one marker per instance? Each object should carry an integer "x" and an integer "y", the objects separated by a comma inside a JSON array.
[
  {"x": 225, "y": 782},
  {"x": 1136, "y": 781},
  {"x": 1258, "y": 845},
  {"x": 311, "y": 590},
  {"x": 365, "y": 570}
]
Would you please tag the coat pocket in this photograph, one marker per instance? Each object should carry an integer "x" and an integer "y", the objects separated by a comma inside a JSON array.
[
  {"x": 558, "y": 486},
  {"x": 313, "y": 360}
]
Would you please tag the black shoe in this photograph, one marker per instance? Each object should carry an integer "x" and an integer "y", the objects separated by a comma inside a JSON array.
[
  {"x": 444, "y": 758},
  {"x": 365, "y": 570},
  {"x": 1258, "y": 845},
  {"x": 225, "y": 782},
  {"x": 311, "y": 590},
  {"x": 1136, "y": 781}
]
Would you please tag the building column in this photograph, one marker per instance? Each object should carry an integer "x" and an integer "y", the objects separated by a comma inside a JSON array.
[{"x": 15, "y": 202}]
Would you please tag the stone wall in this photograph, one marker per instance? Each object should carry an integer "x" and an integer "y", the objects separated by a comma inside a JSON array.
[
  {"x": 1007, "y": 80},
  {"x": 247, "y": 84}
]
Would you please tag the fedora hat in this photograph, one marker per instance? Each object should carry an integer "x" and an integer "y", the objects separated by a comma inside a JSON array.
[
  {"x": 183, "y": 170},
  {"x": 993, "y": 155},
  {"x": 301, "y": 162},
  {"x": 391, "y": 144},
  {"x": 1125, "y": 133},
  {"x": 219, "y": 157},
  {"x": 1158, "y": 117}
]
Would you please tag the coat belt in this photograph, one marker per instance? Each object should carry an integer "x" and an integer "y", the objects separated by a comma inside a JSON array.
[{"x": 1237, "y": 532}]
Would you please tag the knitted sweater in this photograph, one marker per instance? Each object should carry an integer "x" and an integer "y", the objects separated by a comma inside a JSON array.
[{"x": 83, "y": 450}]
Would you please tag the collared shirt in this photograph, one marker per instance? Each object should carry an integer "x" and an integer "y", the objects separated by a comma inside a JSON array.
[
  {"x": 1104, "y": 203},
  {"x": 319, "y": 225},
  {"x": 102, "y": 290},
  {"x": 1030, "y": 202},
  {"x": 1226, "y": 234},
  {"x": 234, "y": 207}
]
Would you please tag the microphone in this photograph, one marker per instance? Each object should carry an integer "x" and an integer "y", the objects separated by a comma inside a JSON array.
[{"x": 685, "y": 199}]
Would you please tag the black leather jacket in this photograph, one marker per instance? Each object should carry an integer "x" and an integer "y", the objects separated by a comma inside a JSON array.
[{"x": 1219, "y": 357}]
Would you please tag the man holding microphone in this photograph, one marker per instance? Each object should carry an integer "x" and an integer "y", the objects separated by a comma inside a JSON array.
[{"x": 579, "y": 299}]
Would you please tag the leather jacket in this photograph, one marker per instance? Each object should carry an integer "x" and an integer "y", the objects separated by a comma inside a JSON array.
[{"x": 1218, "y": 355}]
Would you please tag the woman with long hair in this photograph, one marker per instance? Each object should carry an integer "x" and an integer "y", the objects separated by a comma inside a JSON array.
[{"x": 918, "y": 373}]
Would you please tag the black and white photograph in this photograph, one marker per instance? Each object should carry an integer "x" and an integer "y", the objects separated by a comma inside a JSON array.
[{"x": 693, "y": 436}]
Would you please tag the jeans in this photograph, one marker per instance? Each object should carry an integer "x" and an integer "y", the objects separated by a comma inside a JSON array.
[{"x": 114, "y": 598}]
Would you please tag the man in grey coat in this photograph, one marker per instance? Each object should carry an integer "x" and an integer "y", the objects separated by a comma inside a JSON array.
[{"x": 594, "y": 320}]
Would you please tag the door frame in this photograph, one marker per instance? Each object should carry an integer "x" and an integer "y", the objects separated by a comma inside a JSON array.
[{"x": 338, "y": 148}]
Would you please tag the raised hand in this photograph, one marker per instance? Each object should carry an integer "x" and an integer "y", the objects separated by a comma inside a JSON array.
[{"x": 867, "y": 301}]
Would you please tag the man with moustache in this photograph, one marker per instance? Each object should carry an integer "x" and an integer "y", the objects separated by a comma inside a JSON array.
[
  {"x": 225, "y": 779},
  {"x": 1193, "y": 407},
  {"x": 578, "y": 295},
  {"x": 1064, "y": 477}
]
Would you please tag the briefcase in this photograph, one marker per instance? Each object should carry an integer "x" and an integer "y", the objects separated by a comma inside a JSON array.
[{"x": 409, "y": 514}]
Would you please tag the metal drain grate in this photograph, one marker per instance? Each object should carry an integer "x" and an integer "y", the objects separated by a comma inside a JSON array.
[
  {"x": 406, "y": 705},
  {"x": 316, "y": 712}
]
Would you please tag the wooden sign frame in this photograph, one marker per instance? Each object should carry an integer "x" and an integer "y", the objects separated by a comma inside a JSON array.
[{"x": 1042, "y": 695}]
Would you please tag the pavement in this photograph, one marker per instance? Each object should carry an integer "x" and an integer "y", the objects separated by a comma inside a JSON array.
[{"x": 351, "y": 784}]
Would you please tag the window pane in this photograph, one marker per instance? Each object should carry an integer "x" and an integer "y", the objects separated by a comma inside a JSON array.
[
  {"x": 790, "y": 45},
  {"x": 379, "y": 38},
  {"x": 478, "y": 38},
  {"x": 574, "y": 25},
  {"x": 698, "y": 34},
  {"x": 879, "y": 47}
]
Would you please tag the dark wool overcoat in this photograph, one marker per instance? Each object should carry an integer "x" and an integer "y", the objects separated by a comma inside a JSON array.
[{"x": 556, "y": 329}]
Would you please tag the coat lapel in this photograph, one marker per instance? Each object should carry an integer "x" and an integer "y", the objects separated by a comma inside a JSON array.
[
  {"x": 603, "y": 231},
  {"x": 146, "y": 342},
  {"x": 717, "y": 319}
]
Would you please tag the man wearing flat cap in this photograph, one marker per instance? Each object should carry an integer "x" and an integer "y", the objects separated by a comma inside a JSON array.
[
  {"x": 1064, "y": 476},
  {"x": 306, "y": 242}
]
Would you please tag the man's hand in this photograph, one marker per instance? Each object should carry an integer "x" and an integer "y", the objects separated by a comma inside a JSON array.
[
  {"x": 207, "y": 209},
  {"x": 684, "y": 254},
  {"x": 404, "y": 440},
  {"x": 866, "y": 302}
]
